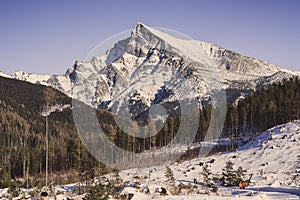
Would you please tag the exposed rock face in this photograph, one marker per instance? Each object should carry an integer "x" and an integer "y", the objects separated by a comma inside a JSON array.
[{"x": 153, "y": 67}]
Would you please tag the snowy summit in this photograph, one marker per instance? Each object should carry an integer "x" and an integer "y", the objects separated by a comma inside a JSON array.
[{"x": 150, "y": 57}]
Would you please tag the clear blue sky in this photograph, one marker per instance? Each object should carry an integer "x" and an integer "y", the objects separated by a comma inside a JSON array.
[{"x": 46, "y": 37}]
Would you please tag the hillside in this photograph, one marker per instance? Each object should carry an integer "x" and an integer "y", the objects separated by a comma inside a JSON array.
[
  {"x": 23, "y": 128},
  {"x": 272, "y": 157}
]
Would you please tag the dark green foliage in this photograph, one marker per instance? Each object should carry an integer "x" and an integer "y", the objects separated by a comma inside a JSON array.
[
  {"x": 30, "y": 95},
  {"x": 169, "y": 175},
  {"x": 99, "y": 191},
  {"x": 208, "y": 180},
  {"x": 240, "y": 173},
  {"x": 276, "y": 104},
  {"x": 230, "y": 176},
  {"x": 117, "y": 178},
  {"x": 22, "y": 131},
  {"x": 105, "y": 187}
]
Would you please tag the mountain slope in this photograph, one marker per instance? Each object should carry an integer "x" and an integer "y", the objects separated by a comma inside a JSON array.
[
  {"x": 272, "y": 157},
  {"x": 139, "y": 67},
  {"x": 22, "y": 105},
  {"x": 22, "y": 128},
  {"x": 152, "y": 58}
]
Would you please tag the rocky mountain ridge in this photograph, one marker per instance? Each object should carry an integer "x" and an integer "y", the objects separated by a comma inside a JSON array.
[{"x": 152, "y": 66}]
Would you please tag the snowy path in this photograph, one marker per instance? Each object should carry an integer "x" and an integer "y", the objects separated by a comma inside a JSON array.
[{"x": 279, "y": 193}]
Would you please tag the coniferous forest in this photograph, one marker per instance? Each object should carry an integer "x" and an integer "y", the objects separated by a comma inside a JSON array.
[{"x": 22, "y": 129}]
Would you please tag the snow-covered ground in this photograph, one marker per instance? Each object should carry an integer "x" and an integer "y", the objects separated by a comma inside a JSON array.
[
  {"x": 273, "y": 158},
  {"x": 55, "y": 108}
]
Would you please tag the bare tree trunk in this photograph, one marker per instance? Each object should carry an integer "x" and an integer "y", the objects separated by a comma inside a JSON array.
[
  {"x": 47, "y": 150},
  {"x": 24, "y": 159},
  {"x": 28, "y": 164}
]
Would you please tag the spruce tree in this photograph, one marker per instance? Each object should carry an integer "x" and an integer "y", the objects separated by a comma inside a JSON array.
[
  {"x": 117, "y": 180},
  {"x": 240, "y": 174},
  {"x": 207, "y": 179},
  {"x": 169, "y": 175},
  {"x": 99, "y": 191},
  {"x": 231, "y": 177}
]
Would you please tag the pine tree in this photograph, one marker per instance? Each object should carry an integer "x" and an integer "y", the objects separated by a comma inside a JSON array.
[
  {"x": 231, "y": 177},
  {"x": 169, "y": 175},
  {"x": 117, "y": 178},
  {"x": 240, "y": 174},
  {"x": 99, "y": 191},
  {"x": 207, "y": 179},
  {"x": 105, "y": 187}
]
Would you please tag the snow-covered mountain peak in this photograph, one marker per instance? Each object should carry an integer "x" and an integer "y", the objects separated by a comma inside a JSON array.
[
  {"x": 149, "y": 60},
  {"x": 162, "y": 40},
  {"x": 33, "y": 78},
  {"x": 5, "y": 75}
]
